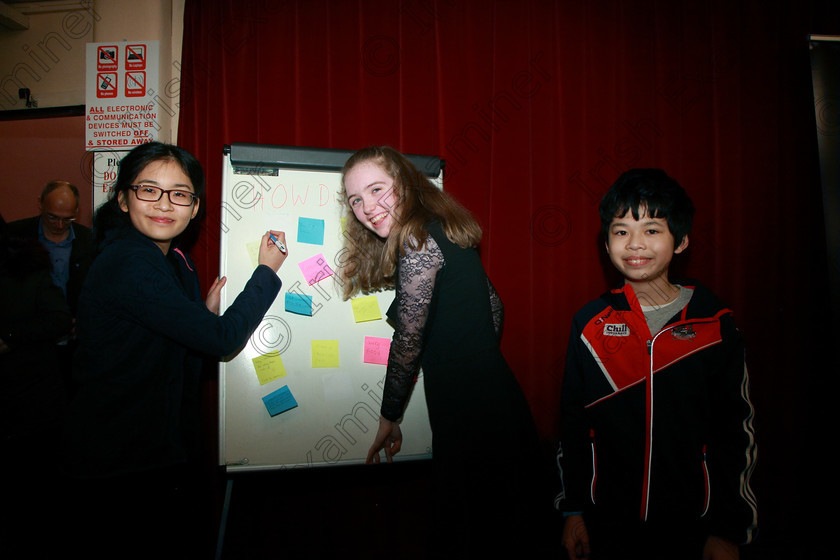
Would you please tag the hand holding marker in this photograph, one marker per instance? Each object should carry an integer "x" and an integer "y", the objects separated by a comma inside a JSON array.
[
  {"x": 273, "y": 250},
  {"x": 277, "y": 242}
]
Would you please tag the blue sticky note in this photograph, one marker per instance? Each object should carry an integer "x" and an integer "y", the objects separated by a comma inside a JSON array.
[
  {"x": 310, "y": 230},
  {"x": 279, "y": 401},
  {"x": 299, "y": 303}
]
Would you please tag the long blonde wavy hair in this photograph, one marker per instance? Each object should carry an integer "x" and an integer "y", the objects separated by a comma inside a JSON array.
[{"x": 367, "y": 261}]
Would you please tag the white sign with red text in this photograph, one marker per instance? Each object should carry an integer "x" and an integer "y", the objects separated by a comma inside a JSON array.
[{"x": 122, "y": 79}]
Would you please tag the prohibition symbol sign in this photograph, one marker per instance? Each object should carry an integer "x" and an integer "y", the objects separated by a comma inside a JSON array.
[
  {"x": 106, "y": 84},
  {"x": 106, "y": 57},
  {"x": 135, "y": 57},
  {"x": 135, "y": 84}
]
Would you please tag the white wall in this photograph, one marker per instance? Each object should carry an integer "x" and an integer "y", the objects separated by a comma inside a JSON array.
[{"x": 48, "y": 57}]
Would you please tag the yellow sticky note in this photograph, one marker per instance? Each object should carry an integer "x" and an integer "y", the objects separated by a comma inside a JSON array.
[
  {"x": 366, "y": 309},
  {"x": 324, "y": 353},
  {"x": 269, "y": 367},
  {"x": 253, "y": 249}
]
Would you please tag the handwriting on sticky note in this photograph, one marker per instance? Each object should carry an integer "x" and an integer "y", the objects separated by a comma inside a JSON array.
[
  {"x": 298, "y": 303},
  {"x": 324, "y": 353},
  {"x": 269, "y": 367},
  {"x": 279, "y": 401},
  {"x": 310, "y": 230},
  {"x": 315, "y": 269},
  {"x": 365, "y": 309},
  {"x": 376, "y": 350}
]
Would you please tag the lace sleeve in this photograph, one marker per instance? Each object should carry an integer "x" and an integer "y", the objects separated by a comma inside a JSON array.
[
  {"x": 497, "y": 307},
  {"x": 415, "y": 283}
]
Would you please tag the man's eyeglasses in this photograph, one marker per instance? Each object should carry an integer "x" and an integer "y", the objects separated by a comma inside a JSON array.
[
  {"x": 59, "y": 220},
  {"x": 148, "y": 193}
]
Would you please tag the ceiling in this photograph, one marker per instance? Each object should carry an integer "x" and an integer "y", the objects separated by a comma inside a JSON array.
[{"x": 14, "y": 14}]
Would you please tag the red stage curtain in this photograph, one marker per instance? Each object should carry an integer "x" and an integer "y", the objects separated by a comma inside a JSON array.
[{"x": 537, "y": 106}]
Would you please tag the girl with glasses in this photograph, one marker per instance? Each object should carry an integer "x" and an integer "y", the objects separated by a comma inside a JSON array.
[{"x": 144, "y": 330}]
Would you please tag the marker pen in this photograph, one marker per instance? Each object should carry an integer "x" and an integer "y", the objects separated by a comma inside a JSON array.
[{"x": 277, "y": 242}]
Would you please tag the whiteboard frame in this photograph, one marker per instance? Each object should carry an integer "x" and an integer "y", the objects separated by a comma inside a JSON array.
[{"x": 338, "y": 408}]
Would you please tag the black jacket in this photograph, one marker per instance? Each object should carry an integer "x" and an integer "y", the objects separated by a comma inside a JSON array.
[
  {"x": 81, "y": 254},
  {"x": 143, "y": 329},
  {"x": 658, "y": 427},
  {"x": 33, "y": 316}
]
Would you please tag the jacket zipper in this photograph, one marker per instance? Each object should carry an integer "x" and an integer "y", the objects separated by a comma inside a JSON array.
[
  {"x": 707, "y": 484},
  {"x": 594, "y": 480},
  {"x": 649, "y": 417}
]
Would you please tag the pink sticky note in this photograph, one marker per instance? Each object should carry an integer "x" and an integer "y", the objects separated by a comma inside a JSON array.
[
  {"x": 376, "y": 350},
  {"x": 315, "y": 269}
]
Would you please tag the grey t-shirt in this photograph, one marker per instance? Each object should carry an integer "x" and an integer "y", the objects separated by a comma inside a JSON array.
[{"x": 658, "y": 315}]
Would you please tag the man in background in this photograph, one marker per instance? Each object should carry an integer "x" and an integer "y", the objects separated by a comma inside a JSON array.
[{"x": 69, "y": 244}]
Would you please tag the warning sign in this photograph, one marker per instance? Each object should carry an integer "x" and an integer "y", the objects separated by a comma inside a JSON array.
[
  {"x": 135, "y": 84},
  {"x": 135, "y": 57},
  {"x": 106, "y": 166},
  {"x": 107, "y": 57},
  {"x": 106, "y": 85},
  {"x": 121, "y": 111},
  {"x": 121, "y": 125}
]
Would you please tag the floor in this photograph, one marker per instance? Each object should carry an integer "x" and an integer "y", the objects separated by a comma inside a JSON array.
[{"x": 341, "y": 512}]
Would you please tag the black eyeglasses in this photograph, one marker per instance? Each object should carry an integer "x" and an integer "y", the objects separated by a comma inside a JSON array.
[{"x": 148, "y": 193}]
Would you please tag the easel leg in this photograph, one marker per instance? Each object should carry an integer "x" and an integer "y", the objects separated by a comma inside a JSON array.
[{"x": 223, "y": 522}]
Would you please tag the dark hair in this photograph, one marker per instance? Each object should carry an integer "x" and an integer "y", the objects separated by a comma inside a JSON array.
[
  {"x": 649, "y": 191},
  {"x": 109, "y": 216},
  {"x": 53, "y": 185}
]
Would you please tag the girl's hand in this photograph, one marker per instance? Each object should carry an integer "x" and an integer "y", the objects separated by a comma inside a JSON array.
[
  {"x": 270, "y": 254},
  {"x": 389, "y": 438},
  {"x": 214, "y": 295}
]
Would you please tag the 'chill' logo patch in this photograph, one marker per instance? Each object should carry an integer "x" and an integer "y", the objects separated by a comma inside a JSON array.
[{"x": 619, "y": 329}]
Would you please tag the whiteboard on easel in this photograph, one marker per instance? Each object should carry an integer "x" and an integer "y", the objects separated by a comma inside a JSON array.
[{"x": 306, "y": 389}]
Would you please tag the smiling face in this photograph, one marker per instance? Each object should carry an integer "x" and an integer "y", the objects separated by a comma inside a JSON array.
[
  {"x": 160, "y": 221},
  {"x": 642, "y": 251},
  {"x": 371, "y": 196}
]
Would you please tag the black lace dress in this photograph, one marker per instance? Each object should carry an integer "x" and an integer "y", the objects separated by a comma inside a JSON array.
[{"x": 447, "y": 318}]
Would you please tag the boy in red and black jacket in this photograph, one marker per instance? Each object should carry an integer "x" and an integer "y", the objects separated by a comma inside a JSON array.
[{"x": 657, "y": 443}]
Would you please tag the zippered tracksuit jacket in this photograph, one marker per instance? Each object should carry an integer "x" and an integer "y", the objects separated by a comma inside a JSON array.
[{"x": 658, "y": 427}]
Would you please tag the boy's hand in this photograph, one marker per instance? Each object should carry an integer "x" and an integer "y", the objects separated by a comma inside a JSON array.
[
  {"x": 718, "y": 548},
  {"x": 576, "y": 537}
]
